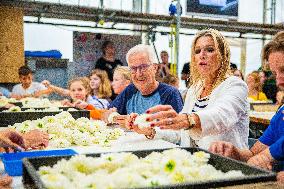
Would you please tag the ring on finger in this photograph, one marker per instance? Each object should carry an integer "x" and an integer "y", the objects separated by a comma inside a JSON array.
[{"x": 170, "y": 121}]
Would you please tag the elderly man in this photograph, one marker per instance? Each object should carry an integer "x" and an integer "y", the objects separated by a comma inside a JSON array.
[
  {"x": 146, "y": 91},
  {"x": 270, "y": 146}
]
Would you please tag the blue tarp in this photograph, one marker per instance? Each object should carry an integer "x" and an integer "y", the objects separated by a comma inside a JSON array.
[{"x": 46, "y": 54}]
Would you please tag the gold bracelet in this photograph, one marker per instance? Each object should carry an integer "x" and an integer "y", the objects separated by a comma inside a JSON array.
[
  {"x": 152, "y": 135},
  {"x": 191, "y": 121}
]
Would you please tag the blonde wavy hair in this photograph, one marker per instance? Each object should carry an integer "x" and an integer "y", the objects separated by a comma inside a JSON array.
[
  {"x": 85, "y": 83},
  {"x": 124, "y": 71},
  {"x": 257, "y": 83},
  {"x": 105, "y": 87},
  {"x": 223, "y": 50}
]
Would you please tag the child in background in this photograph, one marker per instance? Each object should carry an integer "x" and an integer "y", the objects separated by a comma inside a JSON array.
[
  {"x": 121, "y": 79},
  {"x": 5, "y": 92},
  {"x": 255, "y": 88},
  {"x": 28, "y": 88},
  {"x": 280, "y": 98},
  {"x": 79, "y": 91},
  {"x": 100, "y": 88},
  {"x": 171, "y": 80}
]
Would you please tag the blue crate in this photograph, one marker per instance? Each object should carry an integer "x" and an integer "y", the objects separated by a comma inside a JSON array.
[{"x": 13, "y": 161}]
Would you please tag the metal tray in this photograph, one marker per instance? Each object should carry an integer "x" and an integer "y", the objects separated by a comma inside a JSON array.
[
  {"x": 10, "y": 118},
  {"x": 31, "y": 178}
]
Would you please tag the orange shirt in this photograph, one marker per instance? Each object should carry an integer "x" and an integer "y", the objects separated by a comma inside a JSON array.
[{"x": 94, "y": 113}]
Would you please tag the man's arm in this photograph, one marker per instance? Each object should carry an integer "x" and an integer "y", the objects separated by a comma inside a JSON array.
[{"x": 227, "y": 149}]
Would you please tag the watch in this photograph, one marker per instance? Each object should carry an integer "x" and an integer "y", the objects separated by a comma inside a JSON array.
[{"x": 191, "y": 121}]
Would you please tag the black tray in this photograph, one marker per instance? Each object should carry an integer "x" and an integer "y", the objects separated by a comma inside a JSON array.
[
  {"x": 10, "y": 118},
  {"x": 31, "y": 178}
]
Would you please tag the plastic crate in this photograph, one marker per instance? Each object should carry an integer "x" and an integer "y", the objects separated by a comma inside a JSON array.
[
  {"x": 10, "y": 118},
  {"x": 31, "y": 178},
  {"x": 13, "y": 161}
]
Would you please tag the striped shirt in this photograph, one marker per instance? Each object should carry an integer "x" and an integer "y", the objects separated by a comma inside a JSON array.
[{"x": 200, "y": 104}]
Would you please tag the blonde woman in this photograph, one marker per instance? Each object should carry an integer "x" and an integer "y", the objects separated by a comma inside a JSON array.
[
  {"x": 216, "y": 106},
  {"x": 100, "y": 88},
  {"x": 255, "y": 87},
  {"x": 121, "y": 79}
]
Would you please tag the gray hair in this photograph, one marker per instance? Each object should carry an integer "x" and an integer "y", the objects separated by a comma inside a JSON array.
[{"x": 143, "y": 49}]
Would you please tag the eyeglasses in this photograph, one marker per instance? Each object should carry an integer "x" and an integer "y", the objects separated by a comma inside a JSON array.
[{"x": 142, "y": 68}]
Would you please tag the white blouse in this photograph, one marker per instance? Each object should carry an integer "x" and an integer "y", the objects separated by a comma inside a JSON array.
[
  {"x": 226, "y": 115},
  {"x": 224, "y": 118}
]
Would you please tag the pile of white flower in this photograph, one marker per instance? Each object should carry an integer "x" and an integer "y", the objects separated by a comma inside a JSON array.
[
  {"x": 49, "y": 109},
  {"x": 38, "y": 103},
  {"x": 65, "y": 131},
  {"x": 126, "y": 170}
]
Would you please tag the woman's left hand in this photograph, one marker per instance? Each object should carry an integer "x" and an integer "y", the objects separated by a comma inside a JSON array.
[
  {"x": 165, "y": 117},
  {"x": 131, "y": 126}
]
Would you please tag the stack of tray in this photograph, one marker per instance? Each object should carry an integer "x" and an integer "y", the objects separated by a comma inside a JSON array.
[
  {"x": 10, "y": 118},
  {"x": 32, "y": 179}
]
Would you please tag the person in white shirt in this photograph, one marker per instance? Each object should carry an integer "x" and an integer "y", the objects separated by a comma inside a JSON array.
[
  {"x": 28, "y": 88},
  {"x": 216, "y": 106}
]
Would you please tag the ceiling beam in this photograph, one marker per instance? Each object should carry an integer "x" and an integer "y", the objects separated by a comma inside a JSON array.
[{"x": 75, "y": 12}]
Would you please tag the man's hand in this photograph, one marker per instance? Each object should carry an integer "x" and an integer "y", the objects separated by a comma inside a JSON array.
[
  {"x": 226, "y": 149},
  {"x": 5, "y": 182},
  {"x": 36, "y": 139},
  {"x": 280, "y": 177},
  {"x": 263, "y": 160},
  {"x": 11, "y": 141}
]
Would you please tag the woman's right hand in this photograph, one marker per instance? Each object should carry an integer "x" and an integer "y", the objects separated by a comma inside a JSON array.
[
  {"x": 161, "y": 112},
  {"x": 131, "y": 126}
]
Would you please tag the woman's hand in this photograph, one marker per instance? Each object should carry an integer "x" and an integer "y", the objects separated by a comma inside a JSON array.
[
  {"x": 122, "y": 120},
  {"x": 5, "y": 182},
  {"x": 131, "y": 126},
  {"x": 11, "y": 141},
  {"x": 165, "y": 117},
  {"x": 36, "y": 139}
]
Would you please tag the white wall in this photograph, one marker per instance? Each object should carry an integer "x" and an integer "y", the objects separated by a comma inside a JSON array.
[{"x": 45, "y": 37}]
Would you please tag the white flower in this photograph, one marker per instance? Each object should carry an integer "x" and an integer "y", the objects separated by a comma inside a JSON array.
[
  {"x": 3, "y": 101},
  {"x": 13, "y": 109},
  {"x": 111, "y": 116},
  {"x": 59, "y": 143},
  {"x": 126, "y": 170},
  {"x": 65, "y": 131},
  {"x": 141, "y": 121}
]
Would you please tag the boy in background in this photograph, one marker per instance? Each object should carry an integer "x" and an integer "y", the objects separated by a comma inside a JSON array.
[{"x": 28, "y": 88}]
